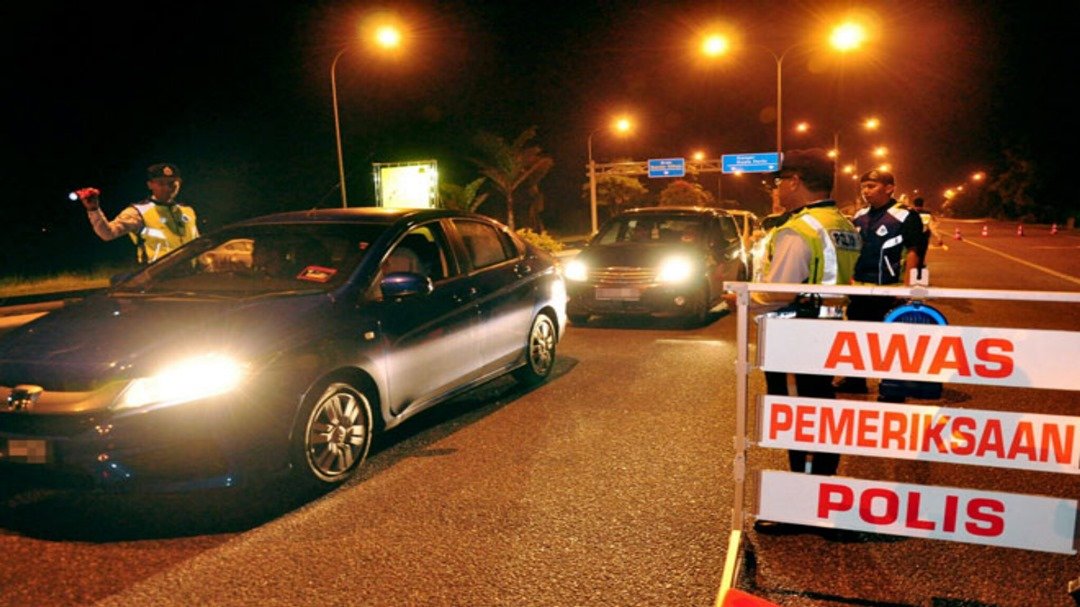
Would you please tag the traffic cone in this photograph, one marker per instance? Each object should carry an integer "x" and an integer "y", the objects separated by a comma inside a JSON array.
[
  {"x": 985, "y": 231},
  {"x": 956, "y": 234},
  {"x": 737, "y": 598},
  {"x": 1053, "y": 229},
  {"x": 1020, "y": 229}
]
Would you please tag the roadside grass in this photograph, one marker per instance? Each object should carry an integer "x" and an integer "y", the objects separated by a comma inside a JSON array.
[{"x": 17, "y": 286}]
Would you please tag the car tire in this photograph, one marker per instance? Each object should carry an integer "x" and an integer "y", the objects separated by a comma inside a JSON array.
[
  {"x": 699, "y": 316},
  {"x": 539, "y": 352},
  {"x": 578, "y": 319},
  {"x": 332, "y": 436}
]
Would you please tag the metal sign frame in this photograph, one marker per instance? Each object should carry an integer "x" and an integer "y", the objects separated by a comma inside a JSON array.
[{"x": 736, "y": 546}]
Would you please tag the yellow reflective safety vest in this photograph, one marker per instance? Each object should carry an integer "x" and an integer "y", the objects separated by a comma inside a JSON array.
[
  {"x": 165, "y": 227},
  {"x": 833, "y": 240}
]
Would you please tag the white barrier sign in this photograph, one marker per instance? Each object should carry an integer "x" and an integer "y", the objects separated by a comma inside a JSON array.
[
  {"x": 1025, "y": 358},
  {"x": 1044, "y": 524},
  {"x": 1002, "y": 439}
]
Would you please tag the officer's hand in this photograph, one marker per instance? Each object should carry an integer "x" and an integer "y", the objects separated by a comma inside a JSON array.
[{"x": 89, "y": 198}]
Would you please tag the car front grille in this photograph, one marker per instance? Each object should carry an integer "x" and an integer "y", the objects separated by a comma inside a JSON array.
[{"x": 622, "y": 276}]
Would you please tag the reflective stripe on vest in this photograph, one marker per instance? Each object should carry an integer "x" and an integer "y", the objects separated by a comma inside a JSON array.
[
  {"x": 161, "y": 231},
  {"x": 828, "y": 253},
  {"x": 833, "y": 242}
]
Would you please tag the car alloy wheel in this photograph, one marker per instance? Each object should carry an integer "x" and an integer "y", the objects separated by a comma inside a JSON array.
[
  {"x": 539, "y": 352},
  {"x": 337, "y": 433}
]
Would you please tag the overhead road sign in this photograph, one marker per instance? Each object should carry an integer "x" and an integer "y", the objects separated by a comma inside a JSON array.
[
  {"x": 767, "y": 162},
  {"x": 667, "y": 167}
]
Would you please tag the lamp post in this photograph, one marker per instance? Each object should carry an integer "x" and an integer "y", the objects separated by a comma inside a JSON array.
[
  {"x": 337, "y": 128},
  {"x": 845, "y": 37},
  {"x": 780, "y": 96},
  {"x": 386, "y": 36},
  {"x": 622, "y": 125},
  {"x": 592, "y": 183}
]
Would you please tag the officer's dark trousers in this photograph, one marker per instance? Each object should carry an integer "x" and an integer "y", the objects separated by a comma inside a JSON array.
[
  {"x": 872, "y": 308},
  {"x": 863, "y": 307},
  {"x": 815, "y": 386}
]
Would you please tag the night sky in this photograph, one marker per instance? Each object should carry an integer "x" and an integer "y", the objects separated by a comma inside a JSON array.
[{"x": 239, "y": 98}]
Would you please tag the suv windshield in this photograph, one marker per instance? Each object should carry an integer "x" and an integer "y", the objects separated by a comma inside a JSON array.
[
  {"x": 652, "y": 228},
  {"x": 249, "y": 261}
]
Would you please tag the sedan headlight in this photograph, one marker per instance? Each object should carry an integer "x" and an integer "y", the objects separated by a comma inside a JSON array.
[
  {"x": 675, "y": 269},
  {"x": 188, "y": 380},
  {"x": 576, "y": 271}
]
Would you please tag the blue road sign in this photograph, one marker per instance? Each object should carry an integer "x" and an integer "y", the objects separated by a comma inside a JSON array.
[
  {"x": 766, "y": 162},
  {"x": 667, "y": 167}
]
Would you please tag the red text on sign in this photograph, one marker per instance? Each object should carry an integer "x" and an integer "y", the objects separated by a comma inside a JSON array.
[
  {"x": 927, "y": 354},
  {"x": 884, "y": 506}
]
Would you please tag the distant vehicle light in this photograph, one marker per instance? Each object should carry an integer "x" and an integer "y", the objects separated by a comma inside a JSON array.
[
  {"x": 185, "y": 381},
  {"x": 576, "y": 271},
  {"x": 675, "y": 269}
]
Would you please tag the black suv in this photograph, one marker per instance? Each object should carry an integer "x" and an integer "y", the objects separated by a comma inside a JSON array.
[{"x": 661, "y": 261}]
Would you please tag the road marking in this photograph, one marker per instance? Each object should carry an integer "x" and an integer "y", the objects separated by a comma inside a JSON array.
[{"x": 1054, "y": 273}]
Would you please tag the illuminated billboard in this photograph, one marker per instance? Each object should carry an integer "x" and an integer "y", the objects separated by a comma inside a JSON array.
[{"x": 412, "y": 185}]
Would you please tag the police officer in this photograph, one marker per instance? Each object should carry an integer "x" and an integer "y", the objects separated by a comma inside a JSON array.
[
  {"x": 815, "y": 244},
  {"x": 157, "y": 224},
  {"x": 930, "y": 232},
  {"x": 892, "y": 236}
]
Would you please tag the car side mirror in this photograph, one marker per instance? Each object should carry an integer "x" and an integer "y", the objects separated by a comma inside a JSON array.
[{"x": 405, "y": 284}]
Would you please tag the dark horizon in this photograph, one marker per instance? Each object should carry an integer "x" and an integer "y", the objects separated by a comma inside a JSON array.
[{"x": 239, "y": 98}]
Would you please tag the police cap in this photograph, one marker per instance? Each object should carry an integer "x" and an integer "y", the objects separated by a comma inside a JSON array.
[{"x": 162, "y": 169}]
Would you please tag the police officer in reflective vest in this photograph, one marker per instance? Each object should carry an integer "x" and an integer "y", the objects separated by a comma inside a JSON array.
[
  {"x": 156, "y": 225},
  {"x": 814, "y": 244},
  {"x": 930, "y": 231},
  {"x": 892, "y": 238}
]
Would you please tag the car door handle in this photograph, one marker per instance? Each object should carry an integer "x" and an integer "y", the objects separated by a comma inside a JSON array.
[{"x": 522, "y": 270}]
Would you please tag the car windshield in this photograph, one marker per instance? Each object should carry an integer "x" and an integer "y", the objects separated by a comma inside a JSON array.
[
  {"x": 652, "y": 228},
  {"x": 258, "y": 260}
]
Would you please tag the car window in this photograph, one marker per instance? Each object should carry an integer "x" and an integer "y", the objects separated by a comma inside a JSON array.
[
  {"x": 653, "y": 229},
  {"x": 729, "y": 232},
  {"x": 421, "y": 251},
  {"x": 259, "y": 260},
  {"x": 484, "y": 245}
]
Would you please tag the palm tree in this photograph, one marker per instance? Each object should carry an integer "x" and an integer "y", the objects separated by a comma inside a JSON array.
[
  {"x": 462, "y": 198},
  {"x": 511, "y": 166}
]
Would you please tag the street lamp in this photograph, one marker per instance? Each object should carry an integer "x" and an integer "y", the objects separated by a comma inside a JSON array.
[
  {"x": 621, "y": 125},
  {"x": 385, "y": 36},
  {"x": 845, "y": 37}
]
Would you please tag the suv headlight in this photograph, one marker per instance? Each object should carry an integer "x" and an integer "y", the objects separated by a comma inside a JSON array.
[
  {"x": 576, "y": 271},
  {"x": 675, "y": 269}
]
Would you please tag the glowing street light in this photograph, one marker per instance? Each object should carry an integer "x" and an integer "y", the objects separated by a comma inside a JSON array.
[
  {"x": 621, "y": 125},
  {"x": 715, "y": 45},
  {"x": 385, "y": 36},
  {"x": 845, "y": 37}
]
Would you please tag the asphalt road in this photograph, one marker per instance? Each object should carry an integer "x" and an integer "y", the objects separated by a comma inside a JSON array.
[{"x": 608, "y": 486}]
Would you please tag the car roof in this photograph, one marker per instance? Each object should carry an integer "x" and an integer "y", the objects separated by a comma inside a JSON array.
[
  {"x": 673, "y": 211},
  {"x": 353, "y": 215}
]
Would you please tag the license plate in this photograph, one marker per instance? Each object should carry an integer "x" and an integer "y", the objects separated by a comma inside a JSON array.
[
  {"x": 618, "y": 294},
  {"x": 25, "y": 451}
]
